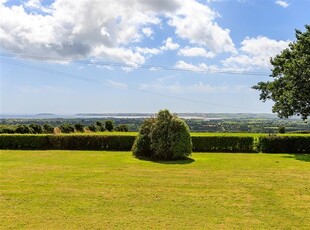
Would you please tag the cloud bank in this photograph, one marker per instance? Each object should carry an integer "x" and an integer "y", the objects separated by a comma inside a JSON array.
[{"x": 109, "y": 30}]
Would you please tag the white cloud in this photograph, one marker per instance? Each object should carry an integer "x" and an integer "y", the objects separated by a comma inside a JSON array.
[
  {"x": 199, "y": 87},
  {"x": 78, "y": 29},
  {"x": 170, "y": 45},
  {"x": 119, "y": 54},
  {"x": 255, "y": 53},
  {"x": 116, "y": 84},
  {"x": 282, "y": 3},
  {"x": 195, "y": 22},
  {"x": 108, "y": 30},
  {"x": 145, "y": 50},
  {"x": 182, "y": 65},
  {"x": 33, "y": 4},
  {"x": 195, "y": 52},
  {"x": 147, "y": 31}
]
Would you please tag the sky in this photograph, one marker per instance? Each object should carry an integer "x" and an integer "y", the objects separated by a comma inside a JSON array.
[{"x": 140, "y": 56}]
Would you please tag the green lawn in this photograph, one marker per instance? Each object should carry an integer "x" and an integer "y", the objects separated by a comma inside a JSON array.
[{"x": 108, "y": 190}]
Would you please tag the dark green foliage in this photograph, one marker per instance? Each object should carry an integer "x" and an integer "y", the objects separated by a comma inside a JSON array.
[
  {"x": 142, "y": 144},
  {"x": 98, "y": 123},
  {"x": 66, "y": 128},
  {"x": 281, "y": 129},
  {"x": 23, "y": 129},
  {"x": 165, "y": 137},
  {"x": 284, "y": 144},
  {"x": 7, "y": 130},
  {"x": 47, "y": 128},
  {"x": 36, "y": 128},
  {"x": 79, "y": 127},
  {"x": 93, "y": 128},
  {"x": 121, "y": 128},
  {"x": 290, "y": 88},
  {"x": 25, "y": 141},
  {"x": 109, "y": 125},
  {"x": 100, "y": 126},
  {"x": 223, "y": 144},
  {"x": 67, "y": 142}
]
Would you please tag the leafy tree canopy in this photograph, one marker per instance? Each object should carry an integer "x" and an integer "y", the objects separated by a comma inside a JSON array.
[{"x": 290, "y": 88}]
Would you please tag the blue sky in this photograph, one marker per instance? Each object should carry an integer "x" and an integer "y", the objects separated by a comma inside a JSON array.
[{"x": 92, "y": 56}]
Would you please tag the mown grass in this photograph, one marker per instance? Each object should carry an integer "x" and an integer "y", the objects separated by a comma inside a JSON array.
[{"x": 108, "y": 190}]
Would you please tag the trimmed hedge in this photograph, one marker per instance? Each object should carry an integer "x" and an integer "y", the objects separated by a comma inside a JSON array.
[
  {"x": 117, "y": 143},
  {"x": 67, "y": 142},
  {"x": 223, "y": 144},
  {"x": 269, "y": 144},
  {"x": 284, "y": 144}
]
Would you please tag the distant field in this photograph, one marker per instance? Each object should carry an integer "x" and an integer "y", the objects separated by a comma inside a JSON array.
[{"x": 108, "y": 190}]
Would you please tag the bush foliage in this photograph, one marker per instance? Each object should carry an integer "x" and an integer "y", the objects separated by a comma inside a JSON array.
[
  {"x": 223, "y": 144},
  {"x": 66, "y": 142},
  {"x": 284, "y": 144},
  {"x": 165, "y": 137},
  {"x": 270, "y": 144}
]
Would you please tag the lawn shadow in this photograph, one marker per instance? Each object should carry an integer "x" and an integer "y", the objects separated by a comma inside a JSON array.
[
  {"x": 300, "y": 157},
  {"x": 169, "y": 162}
]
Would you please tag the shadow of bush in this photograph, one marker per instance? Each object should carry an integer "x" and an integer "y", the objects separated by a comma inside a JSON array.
[
  {"x": 300, "y": 157},
  {"x": 169, "y": 162}
]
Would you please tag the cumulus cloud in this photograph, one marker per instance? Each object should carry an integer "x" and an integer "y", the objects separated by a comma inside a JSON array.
[
  {"x": 150, "y": 51},
  {"x": 195, "y": 52},
  {"x": 147, "y": 31},
  {"x": 107, "y": 30},
  {"x": 170, "y": 45},
  {"x": 255, "y": 53},
  {"x": 195, "y": 22},
  {"x": 282, "y": 3},
  {"x": 80, "y": 29},
  {"x": 182, "y": 65}
]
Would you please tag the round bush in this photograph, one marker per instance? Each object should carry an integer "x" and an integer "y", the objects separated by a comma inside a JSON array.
[
  {"x": 142, "y": 144},
  {"x": 165, "y": 137}
]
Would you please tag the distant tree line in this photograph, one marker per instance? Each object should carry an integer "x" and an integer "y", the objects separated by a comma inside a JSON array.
[{"x": 63, "y": 128}]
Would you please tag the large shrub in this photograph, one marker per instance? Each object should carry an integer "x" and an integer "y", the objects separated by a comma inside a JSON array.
[
  {"x": 165, "y": 137},
  {"x": 142, "y": 144}
]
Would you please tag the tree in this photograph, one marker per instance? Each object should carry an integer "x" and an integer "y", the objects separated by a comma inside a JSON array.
[
  {"x": 100, "y": 126},
  {"x": 92, "y": 128},
  {"x": 122, "y": 128},
  {"x": 36, "y": 128},
  {"x": 24, "y": 129},
  {"x": 290, "y": 88},
  {"x": 47, "y": 128},
  {"x": 281, "y": 129},
  {"x": 109, "y": 125},
  {"x": 66, "y": 128},
  {"x": 79, "y": 127},
  {"x": 165, "y": 137}
]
